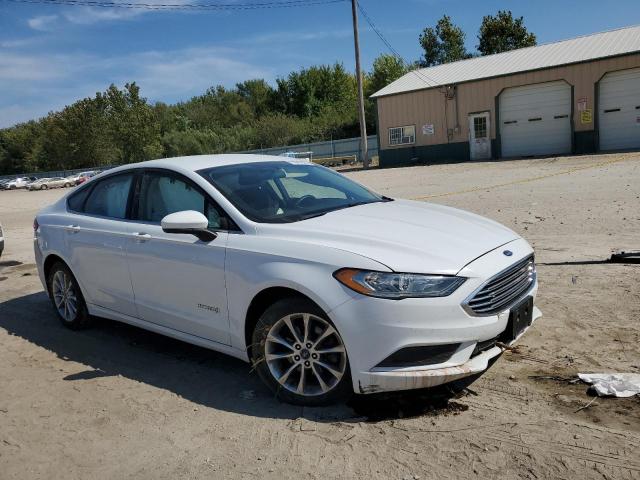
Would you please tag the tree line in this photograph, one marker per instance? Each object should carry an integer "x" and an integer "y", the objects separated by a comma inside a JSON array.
[{"x": 317, "y": 103}]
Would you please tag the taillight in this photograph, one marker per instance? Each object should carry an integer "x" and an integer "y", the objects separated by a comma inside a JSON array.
[{"x": 35, "y": 225}]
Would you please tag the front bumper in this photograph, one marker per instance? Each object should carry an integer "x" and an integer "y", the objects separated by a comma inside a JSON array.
[
  {"x": 393, "y": 380},
  {"x": 373, "y": 329}
]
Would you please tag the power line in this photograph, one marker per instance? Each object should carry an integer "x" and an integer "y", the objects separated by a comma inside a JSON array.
[
  {"x": 178, "y": 6},
  {"x": 425, "y": 78}
]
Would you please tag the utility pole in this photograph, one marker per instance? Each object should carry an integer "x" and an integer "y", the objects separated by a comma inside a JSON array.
[{"x": 363, "y": 124}]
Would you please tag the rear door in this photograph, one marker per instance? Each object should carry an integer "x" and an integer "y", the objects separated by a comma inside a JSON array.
[
  {"x": 96, "y": 238},
  {"x": 178, "y": 280}
]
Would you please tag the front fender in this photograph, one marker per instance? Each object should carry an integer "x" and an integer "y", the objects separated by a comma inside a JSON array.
[{"x": 255, "y": 263}]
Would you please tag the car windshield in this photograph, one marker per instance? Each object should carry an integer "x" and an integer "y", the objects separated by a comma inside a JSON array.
[{"x": 283, "y": 192}]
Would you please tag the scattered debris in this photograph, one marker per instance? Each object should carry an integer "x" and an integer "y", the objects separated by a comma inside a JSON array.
[
  {"x": 555, "y": 378},
  {"x": 587, "y": 405},
  {"x": 620, "y": 256},
  {"x": 613, "y": 384}
]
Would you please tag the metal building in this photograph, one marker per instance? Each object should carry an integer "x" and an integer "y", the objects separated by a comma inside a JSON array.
[{"x": 575, "y": 96}]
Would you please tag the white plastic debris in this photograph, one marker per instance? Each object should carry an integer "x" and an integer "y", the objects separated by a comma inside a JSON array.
[{"x": 616, "y": 384}]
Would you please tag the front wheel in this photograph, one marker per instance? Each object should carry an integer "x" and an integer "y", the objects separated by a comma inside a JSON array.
[
  {"x": 300, "y": 355},
  {"x": 67, "y": 298},
  {"x": 43, "y": 187}
]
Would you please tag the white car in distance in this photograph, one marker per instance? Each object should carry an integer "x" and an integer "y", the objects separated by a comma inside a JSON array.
[
  {"x": 325, "y": 286},
  {"x": 19, "y": 182}
]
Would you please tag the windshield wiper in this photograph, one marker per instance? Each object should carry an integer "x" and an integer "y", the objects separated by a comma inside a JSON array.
[
  {"x": 341, "y": 207},
  {"x": 311, "y": 215}
]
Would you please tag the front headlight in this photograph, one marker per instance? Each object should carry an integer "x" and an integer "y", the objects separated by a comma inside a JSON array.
[{"x": 398, "y": 285}]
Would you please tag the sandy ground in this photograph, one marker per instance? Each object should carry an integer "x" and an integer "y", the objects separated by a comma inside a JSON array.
[{"x": 116, "y": 401}]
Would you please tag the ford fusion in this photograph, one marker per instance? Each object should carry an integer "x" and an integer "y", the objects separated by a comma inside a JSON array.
[{"x": 323, "y": 285}]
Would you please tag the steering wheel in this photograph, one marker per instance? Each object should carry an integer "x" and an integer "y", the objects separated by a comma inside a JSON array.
[{"x": 303, "y": 199}]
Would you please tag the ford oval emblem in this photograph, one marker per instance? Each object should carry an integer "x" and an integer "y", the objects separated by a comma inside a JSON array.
[{"x": 508, "y": 253}]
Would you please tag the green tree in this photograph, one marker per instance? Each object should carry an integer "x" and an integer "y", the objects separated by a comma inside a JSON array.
[
  {"x": 386, "y": 69},
  {"x": 134, "y": 130},
  {"x": 503, "y": 33},
  {"x": 17, "y": 148},
  {"x": 307, "y": 92},
  {"x": 443, "y": 44},
  {"x": 258, "y": 94}
]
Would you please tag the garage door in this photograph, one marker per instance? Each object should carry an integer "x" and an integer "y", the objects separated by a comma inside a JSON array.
[
  {"x": 536, "y": 119},
  {"x": 619, "y": 110}
]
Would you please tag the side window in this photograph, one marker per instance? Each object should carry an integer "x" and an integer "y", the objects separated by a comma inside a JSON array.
[
  {"x": 161, "y": 195},
  {"x": 108, "y": 197},
  {"x": 76, "y": 201}
]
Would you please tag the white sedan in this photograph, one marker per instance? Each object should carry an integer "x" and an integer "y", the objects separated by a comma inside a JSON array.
[{"x": 325, "y": 286}]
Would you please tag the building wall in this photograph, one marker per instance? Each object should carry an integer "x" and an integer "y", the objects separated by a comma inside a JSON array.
[{"x": 429, "y": 107}]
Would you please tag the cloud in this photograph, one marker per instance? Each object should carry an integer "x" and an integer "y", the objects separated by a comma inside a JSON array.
[
  {"x": 42, "y": 22},
  {"x": 34, "y": 84},
  {"x": 186, "y": 72},
  {"x": 300, "y": 36},
  {"x": 19, "y": 67},
  {"x": 91, "y": 15},
  {"x": 87, "y": 15},
  {"x": 20, "y": 42}
]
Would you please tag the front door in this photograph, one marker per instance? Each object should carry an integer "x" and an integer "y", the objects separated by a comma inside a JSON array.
[
  {"x": 480, "y": 136},
  {"x": 178, "y": 280}
]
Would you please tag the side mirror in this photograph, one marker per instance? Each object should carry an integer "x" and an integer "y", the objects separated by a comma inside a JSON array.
[{"x": 189, "y": 222}]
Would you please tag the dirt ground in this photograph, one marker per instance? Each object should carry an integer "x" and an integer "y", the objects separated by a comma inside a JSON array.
[{"x": 116, "y": 401}]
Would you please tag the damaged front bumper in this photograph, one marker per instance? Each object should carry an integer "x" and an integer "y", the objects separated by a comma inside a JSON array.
[{"x": 395, "y": 380}]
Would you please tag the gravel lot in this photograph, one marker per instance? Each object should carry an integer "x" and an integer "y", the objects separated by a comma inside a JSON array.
[{"x": 116, "y": 401}]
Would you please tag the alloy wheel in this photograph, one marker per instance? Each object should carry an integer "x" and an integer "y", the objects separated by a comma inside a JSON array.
[
  {"x": 64, "y": 295},
  {"x": 305, "y": 354}
]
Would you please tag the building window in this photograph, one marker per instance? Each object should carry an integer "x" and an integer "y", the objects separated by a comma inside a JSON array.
[
  {"x": 402, "y": 135},
  {"x": 480, "y": 127}
]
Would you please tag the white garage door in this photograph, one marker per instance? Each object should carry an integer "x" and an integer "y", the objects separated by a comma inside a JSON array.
[
  {"x": 619, "y": 110},
  {"x": 536, "y": 119}
]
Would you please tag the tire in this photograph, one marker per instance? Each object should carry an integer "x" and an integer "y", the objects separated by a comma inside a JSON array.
[
  {"x": 43, "y": 187},
  {"x": 279, "y": 353},
  {"x": 67, "y": 185},
  {"x": 64, "y": 305}
]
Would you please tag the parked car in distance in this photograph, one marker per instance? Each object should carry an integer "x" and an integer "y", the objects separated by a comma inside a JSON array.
[
  {"x": 19, "y": 182},
  {"x": 326, "y": 287},
  {"x": 1, "y": 240},
  {"x": 31, "y": 182},
  {"x": 73, "y": 179},
  {"x": 45, "y": 183},
  {"x": 84, "y": 176},
  {"x": 3, "y": 183}
]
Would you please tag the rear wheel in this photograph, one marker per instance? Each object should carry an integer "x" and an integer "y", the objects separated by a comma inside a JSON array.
[
  {"x": 67, "y": 298},
  {"x": 300, "y": 355},
  {"x": 43, "y": 187}
]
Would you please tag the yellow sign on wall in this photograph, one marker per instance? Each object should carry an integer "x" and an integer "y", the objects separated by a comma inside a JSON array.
[{"x": 586, "y": 116}]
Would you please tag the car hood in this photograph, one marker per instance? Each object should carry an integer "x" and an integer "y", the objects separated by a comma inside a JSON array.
[{"x": 404, "y": 235}]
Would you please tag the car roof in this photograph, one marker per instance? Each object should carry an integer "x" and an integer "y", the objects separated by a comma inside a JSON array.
[{"x": 199, "y": 162}]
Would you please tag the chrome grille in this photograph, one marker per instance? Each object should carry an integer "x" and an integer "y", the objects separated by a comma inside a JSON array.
[{"x": 501, "y": 291}]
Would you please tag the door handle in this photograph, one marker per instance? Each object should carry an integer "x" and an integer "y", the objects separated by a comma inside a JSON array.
[
  {"x": 72, "y": 228},
  {"x": 141, "y": 237}
]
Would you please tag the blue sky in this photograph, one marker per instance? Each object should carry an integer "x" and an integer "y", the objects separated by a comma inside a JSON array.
[{"x": 53, "y": 55}]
